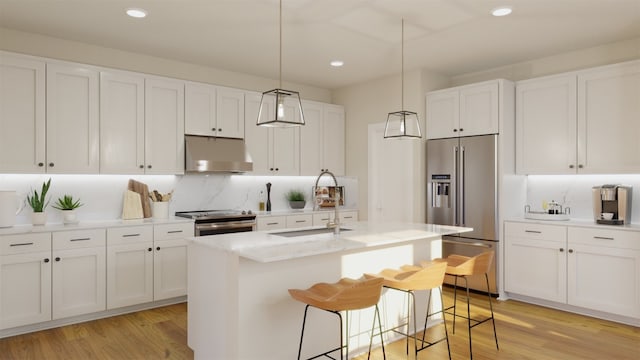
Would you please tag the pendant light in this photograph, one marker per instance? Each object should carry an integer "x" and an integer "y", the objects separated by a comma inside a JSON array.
[
  {"x": 402, "y": 124},
  {"x": 275, "y": 104}
]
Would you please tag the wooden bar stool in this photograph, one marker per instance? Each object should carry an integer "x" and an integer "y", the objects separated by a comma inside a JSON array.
[
  {"x": 461, "y": 267},
  {"x": 347, "y": 294},
  {"x": 409, "y": 279}
]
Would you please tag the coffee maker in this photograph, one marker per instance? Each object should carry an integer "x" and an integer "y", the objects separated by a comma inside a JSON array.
[{"x": 612, "y": 204}]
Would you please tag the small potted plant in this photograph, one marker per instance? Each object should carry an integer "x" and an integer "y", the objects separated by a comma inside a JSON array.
[
  {"x": 68, "y": 206},
  {"x": 38, "y": 203},
  {"x": 296, "y": 199}
]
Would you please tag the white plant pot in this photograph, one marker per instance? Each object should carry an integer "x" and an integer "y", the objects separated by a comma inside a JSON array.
[
  {"x": 69, "y": 216},
  {"x": 39, "y": 218}
]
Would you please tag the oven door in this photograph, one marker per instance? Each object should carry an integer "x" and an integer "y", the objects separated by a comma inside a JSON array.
[
  {"x": 226, "y": 227},
  {"x": 472, "y": 247}
]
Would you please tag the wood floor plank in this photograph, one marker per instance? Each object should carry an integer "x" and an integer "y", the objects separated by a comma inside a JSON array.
[{"x": 525, "y": 332}]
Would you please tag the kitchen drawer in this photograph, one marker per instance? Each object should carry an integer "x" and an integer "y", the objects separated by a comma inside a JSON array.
[
  {"x": 348, "y": 216},
  {"x": 302, "y": 220},
  {"x": 130, "y": 234},
  {"x": 172, "y": 231},
  {"x": 605, "y": 237},
  {"x": 25, "y": 243},
  {"x": 271, "y": 223},
  {"x": 322, "y": 218},
  {"x": 535, "y": 231},
  {"x": 78, "y": 239}
]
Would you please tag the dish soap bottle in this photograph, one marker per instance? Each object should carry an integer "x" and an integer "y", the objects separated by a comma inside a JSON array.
[{"x": 261, "y": 201}]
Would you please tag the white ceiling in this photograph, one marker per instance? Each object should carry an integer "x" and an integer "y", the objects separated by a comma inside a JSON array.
[{"x": 448, "y": 36}]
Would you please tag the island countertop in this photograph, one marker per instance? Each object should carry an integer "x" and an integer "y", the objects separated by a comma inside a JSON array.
[{"x": 270, "y": 246}]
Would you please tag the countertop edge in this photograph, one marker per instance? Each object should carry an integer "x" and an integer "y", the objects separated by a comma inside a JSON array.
[{"x": 98, "y": 224}]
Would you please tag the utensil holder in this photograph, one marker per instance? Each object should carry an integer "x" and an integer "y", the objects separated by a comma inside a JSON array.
[{"x": 160, "y": 209}]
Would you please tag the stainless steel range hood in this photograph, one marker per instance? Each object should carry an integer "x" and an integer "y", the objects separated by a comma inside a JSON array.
[{"x": 212, "y": 154}]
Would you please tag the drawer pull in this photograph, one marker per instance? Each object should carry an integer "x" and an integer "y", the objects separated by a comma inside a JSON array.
[
  {"x": 348, "y": 217},
  {"x": 301, "y": 221},
  {"x": 533, "y": 231},
  {"x": 22, "y": 244},
  {"x": 174, "y": 231},
  {"x": 130, "y": 235},
  {"x": 80, "y": 239},
  {"x": 603, "y": 238},
  {"x": 275, "y": 223}
]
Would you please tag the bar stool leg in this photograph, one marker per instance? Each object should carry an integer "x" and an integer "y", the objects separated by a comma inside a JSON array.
[
  {"x": 466, "y": 284},
  {"x": 373, "y": 327},
  {"x": 446, "y": 334},
  {"x": 346, "y": 347},
  {"x": 493, "y": 321},
  {"x": 455, "y": 299},
  {"x": 304, "y": 320}
]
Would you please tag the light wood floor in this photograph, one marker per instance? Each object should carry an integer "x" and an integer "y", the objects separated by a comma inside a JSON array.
[{"x": 524, "y": 332}]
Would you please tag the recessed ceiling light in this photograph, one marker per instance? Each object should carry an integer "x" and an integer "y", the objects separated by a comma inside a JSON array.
[
  {"x": 136, "y": 12},
  {"x": 501, "y": 11},
  {"x": 337, "y": 63}
]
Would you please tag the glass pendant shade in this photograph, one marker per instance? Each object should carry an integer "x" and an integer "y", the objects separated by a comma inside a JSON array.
[
  {"x": 280, "y": 108},
  {"x": 402, "y": 125}
]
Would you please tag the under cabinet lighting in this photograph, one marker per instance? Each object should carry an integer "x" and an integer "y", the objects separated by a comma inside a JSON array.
[
  {"x": 137, "y": 12},
  {"x": 501, "y": 11},
  {"x": 336, "y": 63}
]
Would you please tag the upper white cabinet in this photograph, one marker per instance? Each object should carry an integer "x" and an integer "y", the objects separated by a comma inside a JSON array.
[
  {"x": 214, "y": 111},
  {"x": 164, "y": 126},
  {"x": 274, "y": 151},
  {"x": 121, "y": 123},
  {"x": 464, "y": 111},
  {"x": 22, "y": 114},
  {"x": 322, "y": 139},
  {"x": 581, "y": 122},
  {"x": 72, "y": 119}
]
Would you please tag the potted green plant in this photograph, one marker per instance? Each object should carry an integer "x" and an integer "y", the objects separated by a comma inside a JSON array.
[
  {"x": 38, "y": 203},
  {"x": 68, "y": 206},
  {"x": 296, "y": 199}
]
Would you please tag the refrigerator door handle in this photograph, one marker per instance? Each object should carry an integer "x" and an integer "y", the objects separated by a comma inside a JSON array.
[
  {"x": 462, "y": 187},
  {"x": 455, "y": 186}
]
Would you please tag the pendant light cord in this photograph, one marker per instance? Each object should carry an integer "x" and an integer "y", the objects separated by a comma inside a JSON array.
[
  {"x": 280, "y": 42},
  {"x": 402, "y": 67}
]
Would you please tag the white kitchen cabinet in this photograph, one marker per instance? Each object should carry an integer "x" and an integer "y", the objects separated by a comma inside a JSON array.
[
  {"x": 348, "y": 216},
  {"x": 164, "y": 126},
  {"x": 546, "y": 125},
  {"x": 22, "y": 114},
  {"x": 25, "y": 279},
  {"x": 604, "y": 270},
  {"x": 79, "y": 272},
  {"x": 582, "y": 122},
  {"x": 464, "y": 111},
  {"x": 214, "y": 111},
  {"x": 274, "y": 151},
  {"x": 264, "y": 223},
  {"x": 129, "y": 266},
  {"x": 170, "y": 260},
  {"x": 72, "y": 119},
  {"x": 535, "y": 260},
  {"x": 299, "y": 220},
  {"x": 322, "y": 139},
  {"x": 121, "y": 123}
]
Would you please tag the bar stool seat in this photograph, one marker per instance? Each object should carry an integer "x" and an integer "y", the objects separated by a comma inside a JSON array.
[
  {"x": 461, "y": 267},
  {"x": 345, "y": 295},
  {"x": 411, "y": 278}
]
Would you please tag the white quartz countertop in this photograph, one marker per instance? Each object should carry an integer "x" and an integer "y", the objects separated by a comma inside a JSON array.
[
  {"x": 578, "y": 223},
  {"x": 263, "y": 246},
  {"x": 28, "y": 228},
  {"x": 299, "y": 211}
]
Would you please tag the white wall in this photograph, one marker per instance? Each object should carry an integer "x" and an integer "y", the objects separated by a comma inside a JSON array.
[
  {"x": 102, "y": 194},
  {"x": 39, "y": 45}
]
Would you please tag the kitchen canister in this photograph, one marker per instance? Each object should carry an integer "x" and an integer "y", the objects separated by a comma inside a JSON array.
[
  {"x": 9, "y": 208},
  {"x": 160, "y": 209}
]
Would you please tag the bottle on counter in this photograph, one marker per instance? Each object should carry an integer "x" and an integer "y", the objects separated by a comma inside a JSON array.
[{"x": 261, "y": 201}]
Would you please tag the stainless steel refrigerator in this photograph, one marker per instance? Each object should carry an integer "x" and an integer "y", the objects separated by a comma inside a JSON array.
[{"x": 462, "y": 190}]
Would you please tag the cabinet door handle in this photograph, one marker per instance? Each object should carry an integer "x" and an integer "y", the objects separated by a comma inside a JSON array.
[
  {"x": 570, "y": 251},
  {"x": 40, "y": 164},
  {"x": 130, "y": 235},
  {"x": 461, "y": 129},
  {"x": 80, "y": 239},
  {"x": 21, "y": 244},
  {"x": 219, "y": 129},
  {"x": 580, "y": 166},
  {"x": 213, "y": 129},
  {"x": 57, "y": 259},
  {"x": 148, "y": 166},
  {"x": 277, "y": 169},
  {"x": 561, "y": 249},
  {"x": 571, "y": 166},
  {"x": 158, "y": 248},
  {"x": 348, "y": 217},
  {"x": 603, "y": 238},
  {"x": 141, "y": 166},
  {"x": 533, "y": 231},
  {"x": 455, "y": 130},
  {"x": 150, "y": 249},
  {"x": 46, "y": 260},
  {"x": 174, "y": 231},
  {"x": 51, "y": 164},
  {"x": 274, "y": 223},
  {"x": 301, "y": 221}
]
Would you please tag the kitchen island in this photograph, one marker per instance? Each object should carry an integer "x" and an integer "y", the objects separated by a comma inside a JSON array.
[{"x": 238, "y": 304}]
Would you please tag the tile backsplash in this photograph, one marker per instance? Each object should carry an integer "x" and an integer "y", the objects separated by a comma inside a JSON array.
[
  {"x": 575, "y": 191},
  {"x": 102, "y": 194}
]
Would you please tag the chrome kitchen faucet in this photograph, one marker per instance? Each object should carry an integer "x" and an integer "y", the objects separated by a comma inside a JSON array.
[{"x": 335, "y": 225}]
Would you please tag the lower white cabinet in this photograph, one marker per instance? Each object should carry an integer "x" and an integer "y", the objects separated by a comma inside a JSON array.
[
  {"x": 129, "y": 266},
  {"x": 299, "y": 220},
  {"x": 170, "y": 260},
  {"x": 25, "y": 279},
  {"x": 271, "y": 223},
  {"x": 321, "y": 218},
  {"x": 592, "y": 268},
  {"x": 79, "y": 272}
]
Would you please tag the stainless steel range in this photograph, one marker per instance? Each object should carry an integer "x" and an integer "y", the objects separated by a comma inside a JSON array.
[{"x": 214, "y": 222}]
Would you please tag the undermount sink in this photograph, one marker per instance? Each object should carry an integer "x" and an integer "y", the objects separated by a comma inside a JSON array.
[
  {"x": 296, "y": 233},
  {"x": 545, "y": 216}
]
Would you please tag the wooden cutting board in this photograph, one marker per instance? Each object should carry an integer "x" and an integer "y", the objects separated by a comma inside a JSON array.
[
  {"x": 131, "y": 206},
  {"x": 143, "y": 190}
]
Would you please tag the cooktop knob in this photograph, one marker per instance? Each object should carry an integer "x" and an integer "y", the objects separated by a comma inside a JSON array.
[{"x": 244, "y": 212}]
